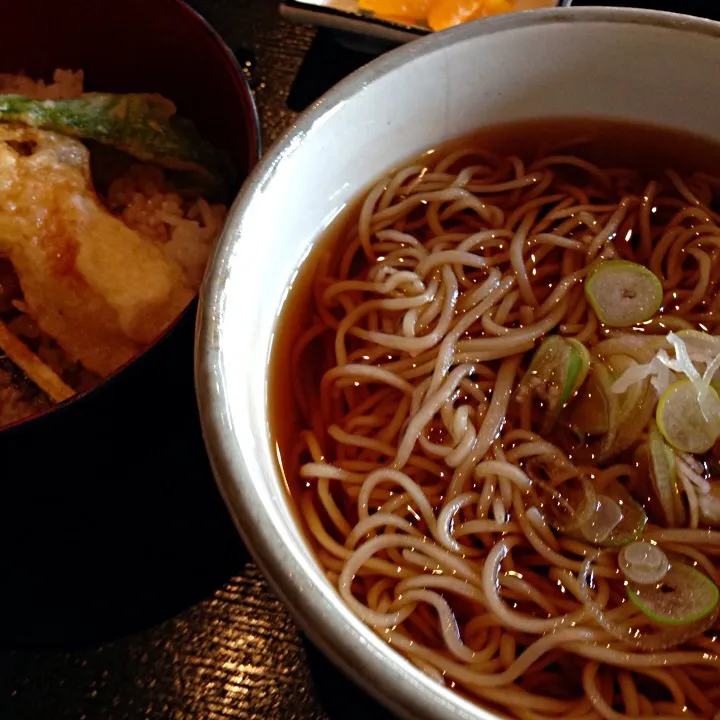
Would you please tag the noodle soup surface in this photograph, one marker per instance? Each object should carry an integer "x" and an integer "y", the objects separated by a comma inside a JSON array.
[{"x": 494, "y": 394}]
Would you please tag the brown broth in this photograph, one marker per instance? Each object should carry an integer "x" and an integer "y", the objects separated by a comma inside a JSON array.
[{"x": 608, "y": 143}]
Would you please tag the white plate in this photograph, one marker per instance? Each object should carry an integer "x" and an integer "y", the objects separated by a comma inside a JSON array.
[{"x": 345, "y": 16}]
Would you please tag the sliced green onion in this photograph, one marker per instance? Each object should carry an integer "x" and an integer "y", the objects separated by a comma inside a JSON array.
[
  {"x": 569, "y": 504},
  {"x": 683, "y": 596},
  {"x": 602, "y": 523},
  {"x": 556, "y": 372},
  {"x": 643, "y": 563},
  {"x": 631, "y": 398},
  {"x": 597, "y": 407},
  {"x": 663, "y": 474},
  {"x": 635, "y": 420},
  {"x": 633, "y": 520},
  {"x": 616, "y": 518},
  {"x": 623, "y": 293},
  {"x": 684, "y": 423},
  {"x": 608, "y": 422},
  {"x": 583, "y": 356}
]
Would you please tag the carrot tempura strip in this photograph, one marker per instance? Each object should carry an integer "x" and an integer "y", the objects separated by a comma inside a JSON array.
[{"x": 36, "y": 370}]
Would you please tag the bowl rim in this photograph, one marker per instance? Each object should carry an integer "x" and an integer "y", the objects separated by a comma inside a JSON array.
[
  {"x": 330, "y": 625},
  {"x": 254, "y": 148}
]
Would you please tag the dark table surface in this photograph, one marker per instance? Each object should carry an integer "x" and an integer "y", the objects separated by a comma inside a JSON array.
[{"x": 140, "y": 601}]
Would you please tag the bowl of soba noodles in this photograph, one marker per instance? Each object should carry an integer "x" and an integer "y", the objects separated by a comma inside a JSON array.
[{"x": 458, "y": 365}]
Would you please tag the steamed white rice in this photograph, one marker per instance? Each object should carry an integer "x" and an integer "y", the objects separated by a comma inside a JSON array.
[{"x": 65, "y": 84}]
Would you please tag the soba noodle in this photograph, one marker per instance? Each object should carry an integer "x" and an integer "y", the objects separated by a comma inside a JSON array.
[{"x": 430, "y": 485}]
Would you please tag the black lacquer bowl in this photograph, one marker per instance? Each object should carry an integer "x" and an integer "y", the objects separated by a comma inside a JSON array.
[{"x": 102, "y": 490}]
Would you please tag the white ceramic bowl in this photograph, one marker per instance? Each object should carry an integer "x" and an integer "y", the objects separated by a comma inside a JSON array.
[{"x": 640, "y": 65}]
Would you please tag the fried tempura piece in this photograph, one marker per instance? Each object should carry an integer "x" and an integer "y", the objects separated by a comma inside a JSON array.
[
  {"x": 145, "y": 126},
  {"x": 98, "y": 288}
]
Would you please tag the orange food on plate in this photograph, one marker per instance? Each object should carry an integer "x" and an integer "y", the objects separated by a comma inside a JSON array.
[
  {"x": 441, "y": 14},
  {"x": 405, "y": 10},
  {"x": 446, "y": 13}
]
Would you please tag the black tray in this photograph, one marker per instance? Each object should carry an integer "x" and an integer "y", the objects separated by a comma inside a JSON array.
[{"x": 131, "y": 596}]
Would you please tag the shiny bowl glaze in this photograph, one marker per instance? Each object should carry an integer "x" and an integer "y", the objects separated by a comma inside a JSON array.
[{"x": 606, "y": 63}]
